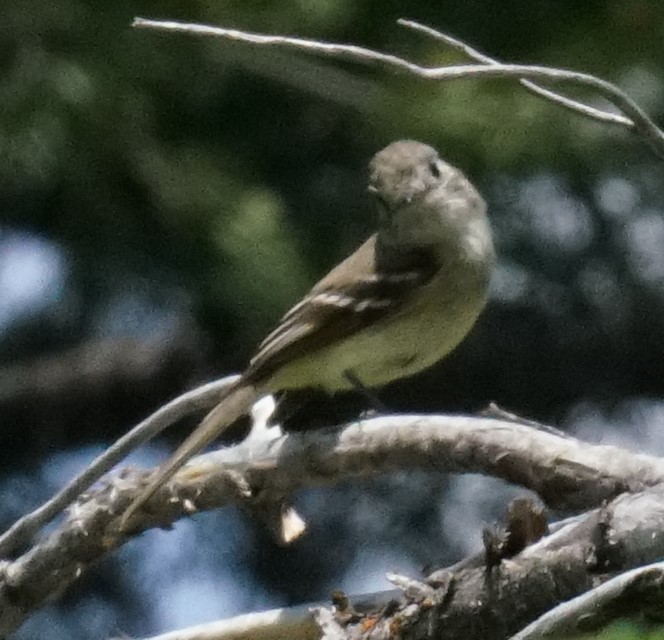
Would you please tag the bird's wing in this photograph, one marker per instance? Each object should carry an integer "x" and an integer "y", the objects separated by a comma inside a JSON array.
[{"x": 353, "y": 296}]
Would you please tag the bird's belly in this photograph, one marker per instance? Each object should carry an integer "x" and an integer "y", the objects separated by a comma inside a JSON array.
[{"x": 396, "y": 348}]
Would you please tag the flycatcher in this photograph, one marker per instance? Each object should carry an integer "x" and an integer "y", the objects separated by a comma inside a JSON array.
[{"x": 400, "y": 303}]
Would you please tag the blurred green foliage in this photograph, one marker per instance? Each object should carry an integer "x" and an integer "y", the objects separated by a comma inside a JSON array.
[
  {"x": 627, "y": 631},
  {"x": 198, "y": 162}
]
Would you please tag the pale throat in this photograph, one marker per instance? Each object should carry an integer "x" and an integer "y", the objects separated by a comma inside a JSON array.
[{"x": 460, "y": 233}]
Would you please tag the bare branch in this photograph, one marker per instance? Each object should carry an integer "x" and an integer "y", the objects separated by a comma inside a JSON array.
[
  {"x": 198, "y": 399},
  {"x": 564, "y": 101},
  {"x": 565, "y": 472},
  {"x": 475, "y": 603},
  {"x": 481, "y": 603},
  {"x": 594, "y": 609},
  {"x": 630, "y": 109},
  {"x": 342, "y": 51},
  {"x": 294, "y": 623}
]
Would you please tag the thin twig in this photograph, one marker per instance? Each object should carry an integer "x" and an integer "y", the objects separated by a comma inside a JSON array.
[
  {"x": 343, "y": 51},
  {"x": 474, "y": 54},
  {"x": 200, "y": 398},
  {"x": 629, "y": 108}
]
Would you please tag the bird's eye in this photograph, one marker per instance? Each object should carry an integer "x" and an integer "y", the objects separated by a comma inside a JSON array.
[{"x": 435, "y": 169}]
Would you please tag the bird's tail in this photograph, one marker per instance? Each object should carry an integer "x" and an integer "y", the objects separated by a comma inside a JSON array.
[{"x": 234, "y": 405}]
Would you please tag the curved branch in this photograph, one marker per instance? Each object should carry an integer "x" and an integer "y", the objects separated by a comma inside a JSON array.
[
  {"x": 552, "y": 96},
  {"x": 472, "y": 603},
  {"x": 565, "y": 472},
  {"x": 638, "y": 588},
  {"x": 637, "y": 118},
  {"x": 478, "y": 603},
  {"x": 198, "y": 399}
]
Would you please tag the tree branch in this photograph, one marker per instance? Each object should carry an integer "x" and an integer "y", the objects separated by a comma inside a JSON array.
[
  {"x": 257, "y": 474},
  {"x": 634, "y": 117},
  {"x": 626, "y": 594},
  {"x": 200, "y": 398},
  {"x": 478, "y": 603},
  {"x": 474, "y": 602},
  {"x": 552, "y": 96},
  {"x": 294, "y": 623},
  {"x": 567, "y": 474}
]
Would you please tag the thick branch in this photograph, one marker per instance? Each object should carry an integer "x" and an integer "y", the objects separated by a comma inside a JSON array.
[
  {"x": 475, "y": 603},
  {"x": 565, "y": 472},
  {"x": 636, "y": 591}
]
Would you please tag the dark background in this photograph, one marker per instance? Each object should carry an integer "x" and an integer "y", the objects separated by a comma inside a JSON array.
[{"x": 165, "y": 198}]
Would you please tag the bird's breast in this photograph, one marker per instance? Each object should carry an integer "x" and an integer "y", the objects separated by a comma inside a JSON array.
[{"x": 425, "y": 330}]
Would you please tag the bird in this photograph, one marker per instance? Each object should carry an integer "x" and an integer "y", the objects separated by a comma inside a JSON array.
[{"x": 397, "y": 305}]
